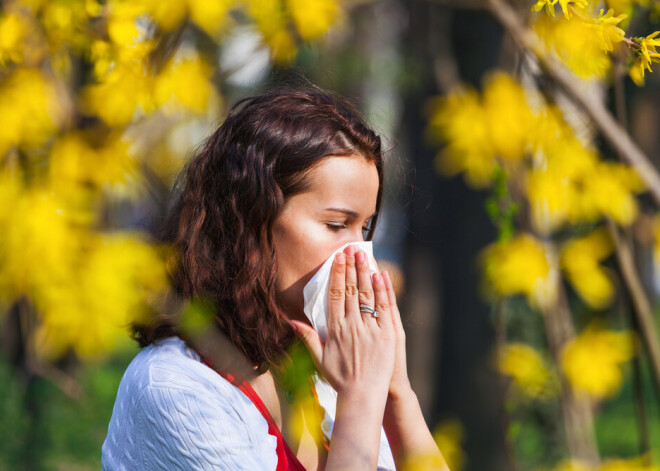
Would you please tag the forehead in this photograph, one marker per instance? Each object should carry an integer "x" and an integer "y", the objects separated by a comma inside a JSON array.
[{"x": 350, "y": 182}]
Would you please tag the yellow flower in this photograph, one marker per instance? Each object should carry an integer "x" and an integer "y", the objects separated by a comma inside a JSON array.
[
  {"x": 271, "y": 18},
  {"x": 509, "y": 119},
  {"x": 306, "y": 417},
  {"x": 647, "y": 54},
  {"x": 577, "y": 43},
  {"x": 185, "y": 84},
  {"x": 122, "y": 26},
  {"x": 21, "y": 37},
  {"x": 460, "y": 119},
  {"x": 30, "y": 108},
  {"x": 636, "y": 71},
  {"x": 578, "y": 3},
  {"x": 548, "y": 4},
  {"x": 623, "y": 6},
  {"x": 65, "y": 24},
  {"x": 74, "y": 161},
  {"x": 123, "y": 93},
  {"x": 549, "y": 131},
  {"x": 635, "y": 464},
  {"x": 554, "y": 187},
  {"x": 479, "y": 131},
  {"x": 569, "y": 184},
  {"x": 656, "y": 246},
  {"x": 313, "y": 17},
  {"x": 37, "y": 241},
  {"x": 607, "y": 31},
  {"x": 610, "y": 192},
  {"x": 521, "y": 266},
  {"x": 210, "y": 16},
  {"x": 592, "y": 361},
  {"x": 528, "y": 370},
  {"x": 573, "y": 465},
  {"x": 169, "y": 14},
  {"x": 449, "y": 435},
  {"x": 580, "y": 260},
  {"x": 647, "y": 48},
  {"x": 75, "y": 312}
]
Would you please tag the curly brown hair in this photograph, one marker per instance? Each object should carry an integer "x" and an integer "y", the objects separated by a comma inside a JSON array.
[{"x": 228, "y": 195}]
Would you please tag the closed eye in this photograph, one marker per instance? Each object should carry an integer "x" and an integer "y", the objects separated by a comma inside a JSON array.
[{"x": 338, "y": 227}]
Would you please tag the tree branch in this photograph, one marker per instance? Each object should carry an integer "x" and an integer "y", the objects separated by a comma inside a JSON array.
[
  {"x": 641, "y": 304},
  {"x": 616, "y": 135}
]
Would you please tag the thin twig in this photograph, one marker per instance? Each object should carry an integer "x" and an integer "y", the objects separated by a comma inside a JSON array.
[
  {"x": 576, "y": 408},
  {"x": 462, "y": 4},
  {"x": 66, "y": 383},
  {"x": 620, "y": 140},
  {"x": 641, "y": 304},
  {"x": 500, "y": 342},
  {"x": 640, "y": 403}
]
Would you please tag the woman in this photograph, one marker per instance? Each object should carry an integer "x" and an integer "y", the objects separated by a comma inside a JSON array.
[{"x": 286, "y": 180}]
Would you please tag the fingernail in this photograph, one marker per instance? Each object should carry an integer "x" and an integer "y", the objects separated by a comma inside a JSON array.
[
  {"x": 376, "y": 278},
  {"x": 359, "y": 256}
]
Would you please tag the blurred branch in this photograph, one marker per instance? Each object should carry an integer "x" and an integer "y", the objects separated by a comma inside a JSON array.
[
  {"x": 166, "y": 47},
  {"x": 638, "y": 385},
  {"x": 445, "y": 68},
  {"x": 595, "y": 109},
  {"x": 576, "y": 409},
  {"x": 67, "y": 384},
  {"x": 32, "y": 364},
  {"x": 462, "y": 4},
  {"x": 640, "y": 404},
  {"x": 641, "y": 305},
  {"x": 500, "y": 342}
]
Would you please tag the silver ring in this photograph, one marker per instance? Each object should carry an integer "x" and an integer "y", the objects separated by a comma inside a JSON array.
[{"x": 369, "y": 310}]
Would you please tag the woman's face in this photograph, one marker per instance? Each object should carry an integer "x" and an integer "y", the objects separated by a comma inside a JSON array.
[{"x": 334, "y": 210}]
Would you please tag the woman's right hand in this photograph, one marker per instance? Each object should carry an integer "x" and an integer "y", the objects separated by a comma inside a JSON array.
[{"x": 359, "y": 350}]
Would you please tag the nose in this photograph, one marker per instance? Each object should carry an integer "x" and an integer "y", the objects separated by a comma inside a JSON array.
[{"x": 357, "y": 235}]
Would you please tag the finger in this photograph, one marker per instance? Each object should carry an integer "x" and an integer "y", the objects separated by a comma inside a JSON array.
[
  {"x": 391, "y": 298},
  {"x": 352, "y": 310},
  {"x": 336, "y": 290},
  {"x": 382, "y": 304},
  {"x": 365, "y": 288},
  {"x": 311, "y": 339}
]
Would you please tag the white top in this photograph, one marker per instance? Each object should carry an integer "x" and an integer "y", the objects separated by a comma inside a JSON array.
[{"x": 173, "y": 412}]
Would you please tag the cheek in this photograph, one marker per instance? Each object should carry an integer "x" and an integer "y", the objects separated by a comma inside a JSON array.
[{"x": 301, "y": 252}]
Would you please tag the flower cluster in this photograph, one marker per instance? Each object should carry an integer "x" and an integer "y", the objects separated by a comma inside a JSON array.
[
  {"x": 530, "y": 373},
  {"x": 592, "y": 360},
  {"x": 92, "y": 93},
  {"x": 564, "y": 182},
  {"x": 521, "y": 265},
  {"x": 583, "y": 39},
  {"x": 631, "y": 464}
]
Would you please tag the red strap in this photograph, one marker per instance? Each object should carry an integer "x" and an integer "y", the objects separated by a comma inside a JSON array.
[{"x": 286, "y": 459}]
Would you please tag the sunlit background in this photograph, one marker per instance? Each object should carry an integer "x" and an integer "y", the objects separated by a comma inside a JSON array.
[{"x": 520, "y": 217}]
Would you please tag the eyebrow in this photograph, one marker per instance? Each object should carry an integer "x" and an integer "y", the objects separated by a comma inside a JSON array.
[{"x": 349, "y": 212}]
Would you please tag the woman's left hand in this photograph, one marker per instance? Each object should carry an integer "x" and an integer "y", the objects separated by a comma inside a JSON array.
[{"x": 400, "y": 384}]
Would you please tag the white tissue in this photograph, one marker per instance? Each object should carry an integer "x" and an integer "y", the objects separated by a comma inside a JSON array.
[
  {"x": 315, "y": 292},
  {"x": 315, "y": 295}
]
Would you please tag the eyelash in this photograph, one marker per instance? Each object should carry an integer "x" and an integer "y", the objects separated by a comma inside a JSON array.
[{"x": 334, "y": 227}]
